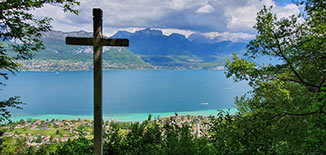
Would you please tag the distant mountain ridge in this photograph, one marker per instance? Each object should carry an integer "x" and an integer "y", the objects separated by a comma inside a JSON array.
[
  {"x": 148, "y": 48},
  {"x": 154, "y": 42},
  {"x": 59, "y": 35}
]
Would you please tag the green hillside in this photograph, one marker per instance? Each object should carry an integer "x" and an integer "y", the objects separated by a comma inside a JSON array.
[
  {"x": 121, "y": 55},
  {"x": 63, "y": 60},
  {"x": 114, "y": 55},
  {"x": 59, "y": 56}
]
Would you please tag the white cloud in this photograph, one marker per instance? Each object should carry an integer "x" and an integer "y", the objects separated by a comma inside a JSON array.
[
  {"x": 227, "y": 36},
  {"x": 287, "y": 11},
  {"x": 205, "y": 9},
  {"x": 111, "y": 31},
  {"x": 180, "y": 16},
  {"x": 108, "y": 31},
  {"x": 168, "y": 32},
  {"x": 244, "y": 17},
  {"x": 177, "y": 4},
  {"x": 224, "y": 36},
  {"x": 241, "y": 18}
]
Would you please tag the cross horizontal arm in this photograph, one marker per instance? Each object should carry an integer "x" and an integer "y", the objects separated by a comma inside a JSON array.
[
  {"x": 79, "y": 41},
  {"x": 103, "y": 42}
]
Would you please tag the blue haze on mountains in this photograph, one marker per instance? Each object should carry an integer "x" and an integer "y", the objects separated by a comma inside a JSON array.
[
  {"x": 153, "y": 42},
  {"x": 152, "y": 46}
]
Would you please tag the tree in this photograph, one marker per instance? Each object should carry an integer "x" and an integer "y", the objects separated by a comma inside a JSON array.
[
  {"x": 22, "y": 121},
  {"x": 12, "y": 102},
  {"x": 19, "y": 33},
  {"x": 287, "y": 98},
  {"x": 81, "y": 145}
]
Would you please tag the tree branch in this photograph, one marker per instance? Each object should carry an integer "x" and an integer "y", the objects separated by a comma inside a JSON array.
[
  {"x": 292, "y": 80},
  {"x": 302, "y": 114},
  {"x": 281, "y": 54},
  {"x": 285, "y": 58}
]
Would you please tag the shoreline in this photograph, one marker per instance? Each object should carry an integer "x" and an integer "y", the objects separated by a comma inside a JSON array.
[
  {"x": 78, "y": 65},
  {"x": 218, "y": 68},
  {"x": 132, "y": 117}
]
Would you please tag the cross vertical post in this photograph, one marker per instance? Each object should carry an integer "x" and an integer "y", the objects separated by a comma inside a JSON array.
[
  {"x": 98, "y": 118},
  {"x": 97, "y": 42}
]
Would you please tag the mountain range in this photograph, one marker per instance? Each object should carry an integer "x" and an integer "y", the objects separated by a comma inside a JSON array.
[
  {"x": 148, "y": 47},
  {"x": 155, "y": 43}
]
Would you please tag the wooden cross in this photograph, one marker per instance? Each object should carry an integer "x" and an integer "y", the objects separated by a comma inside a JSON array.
[{"x": 97, "y": 42}]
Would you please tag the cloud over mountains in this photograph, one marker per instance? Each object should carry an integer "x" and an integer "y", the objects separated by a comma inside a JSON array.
[{"x": 204, "y": 16}]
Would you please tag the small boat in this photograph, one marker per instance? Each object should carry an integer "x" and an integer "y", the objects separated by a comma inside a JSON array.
[
  {"x": 204, "y": 103},
  {"x": 57, "y": 73}
]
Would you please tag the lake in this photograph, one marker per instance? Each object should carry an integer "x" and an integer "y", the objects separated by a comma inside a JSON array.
[{"x": 125, "y": 92}]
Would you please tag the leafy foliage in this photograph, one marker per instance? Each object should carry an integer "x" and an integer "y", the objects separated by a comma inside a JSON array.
[
  {"x": 285, "y": 110},
  {"x": 12, "y": 102},
  {"x": 19, "y": 26},
  {"x": 287, "y": 88},
  {"x": 22, "y": 28},
  {"x": 80, "y": 146}
]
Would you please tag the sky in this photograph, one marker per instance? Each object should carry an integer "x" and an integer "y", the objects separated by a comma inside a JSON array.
[{"x": 229, "y": 19}]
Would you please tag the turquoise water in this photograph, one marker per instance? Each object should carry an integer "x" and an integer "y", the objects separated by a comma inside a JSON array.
[
  {"x": 133, "y": 117},
  {"x": 128, "y": 95}
]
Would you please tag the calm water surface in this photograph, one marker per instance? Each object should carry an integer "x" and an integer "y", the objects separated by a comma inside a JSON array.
[{"x": 131, "y": 91}]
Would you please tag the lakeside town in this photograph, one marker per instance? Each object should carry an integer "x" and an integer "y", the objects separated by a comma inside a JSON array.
[
  {"x": 73, "y": 65},
  {"x": 37, "y": 132}
]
